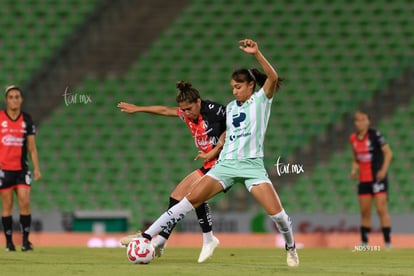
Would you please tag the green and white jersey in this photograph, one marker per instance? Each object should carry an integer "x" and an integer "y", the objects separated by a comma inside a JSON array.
[{"x": 246, "y": 127}]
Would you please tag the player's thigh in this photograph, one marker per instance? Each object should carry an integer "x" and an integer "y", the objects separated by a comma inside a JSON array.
[
  {"x": 365, "y": 197},
  {"x": 203, "y": 190},
  {"x": 23, "y": 194},
  {"x": 8, "y": 182},
  {"x": 184, "y": 187},
  {"x": 23, "y": 199},
  {"x": 7, "y": 201},
  {"x": 365, "y": 203},
  {"x": 381, "y": 203},
  {"x": 266, "y": 195}
]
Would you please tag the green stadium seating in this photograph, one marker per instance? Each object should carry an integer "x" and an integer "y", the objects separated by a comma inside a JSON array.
[
  {"x": 31, "y": 32},
  {"x": 332, "y": 55}
]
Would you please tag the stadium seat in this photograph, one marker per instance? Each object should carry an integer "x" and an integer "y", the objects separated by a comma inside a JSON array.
[{"x": 329, "y": 61}]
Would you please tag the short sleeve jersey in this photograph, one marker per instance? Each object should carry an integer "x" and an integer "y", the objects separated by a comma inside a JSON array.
[
  {"x": 13, "y": 143},
  {"x": 367, "y": 152},
  {"x": 246, "y": 127},
  {"x": 207, "y": 128}
]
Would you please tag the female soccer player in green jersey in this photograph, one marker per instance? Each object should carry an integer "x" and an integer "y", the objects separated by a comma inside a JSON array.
[{"x": 241, "y": 159}]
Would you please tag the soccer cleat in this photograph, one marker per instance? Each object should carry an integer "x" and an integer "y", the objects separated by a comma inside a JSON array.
[
  {"x": 10, "y": 247},
  {"x": 208, "y": 249},
  {"x": 27, "y": 247},
  {"x": 388, "y": 245},
  {"x": 127, "y": 239},
  {"x": 159, "y": 249},
  {"x": 292, "y": 257}
]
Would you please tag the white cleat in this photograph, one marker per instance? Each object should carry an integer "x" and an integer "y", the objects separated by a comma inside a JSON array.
[
  {"x": 159, "y": 250},
  {"x": 292, "y": 257},
  {"x": 127, "y": 239},
  {"x": 208, "y": 249}
]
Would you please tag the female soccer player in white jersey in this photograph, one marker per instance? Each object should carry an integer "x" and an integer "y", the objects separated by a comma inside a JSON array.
[{"x": 241, "y": 159}]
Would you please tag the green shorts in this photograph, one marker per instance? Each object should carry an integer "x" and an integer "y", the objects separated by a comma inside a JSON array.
[{"x": 250, "y": 172}]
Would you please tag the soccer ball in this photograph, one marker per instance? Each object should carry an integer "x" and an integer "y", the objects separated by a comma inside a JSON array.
[{"x": 140, "y": 251}]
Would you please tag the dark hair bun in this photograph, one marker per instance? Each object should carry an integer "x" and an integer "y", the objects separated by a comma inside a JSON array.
[{"x": 183, "y": 85}]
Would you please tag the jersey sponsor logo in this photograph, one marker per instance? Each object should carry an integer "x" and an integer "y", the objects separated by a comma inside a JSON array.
[
  {"x": 10, "y": 140},
  {"x": 204, "y": 142},
  {"x": 234, "y": 137},
  {"x": 364, "y": 157},
  {"x": 238, "y": 119},
  {"x": 210, "y": 106}
]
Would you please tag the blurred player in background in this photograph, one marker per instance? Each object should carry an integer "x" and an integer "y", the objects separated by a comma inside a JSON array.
[
  {"x": 372, "y": 157},
  {"x": 207, "y": 122},
  {"x": 17, "y": 138},
  {"x": 241, "y": 160}
]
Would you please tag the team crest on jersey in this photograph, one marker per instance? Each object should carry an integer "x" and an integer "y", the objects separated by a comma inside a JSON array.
[
  {"x": 4, "y": 124},
  {"x": 205, "y": 125}
]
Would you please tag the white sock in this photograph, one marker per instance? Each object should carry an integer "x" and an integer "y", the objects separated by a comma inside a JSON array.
[
  {"x": 207, "y": 237},
  {"x": 173, "y": 215},
  {"x": 159, "y": 241},
  {"x": 284, "y": 224}
]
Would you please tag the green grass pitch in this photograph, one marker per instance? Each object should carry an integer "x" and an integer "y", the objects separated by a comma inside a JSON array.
[{"x": 226, "y": 261}]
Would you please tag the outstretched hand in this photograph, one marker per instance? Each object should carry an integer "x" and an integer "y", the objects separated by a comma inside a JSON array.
[
  {"x": 206, "y": 156},
  {"x": 127, "y": 107},
  {"x": 249, "y": 46}
]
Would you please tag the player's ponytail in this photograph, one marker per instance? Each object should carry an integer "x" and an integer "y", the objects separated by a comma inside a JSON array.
[{"x": 186, "y": 92}]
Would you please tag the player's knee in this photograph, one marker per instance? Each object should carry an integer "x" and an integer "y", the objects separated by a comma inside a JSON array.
[
  {"x": 176, "y": 195},
  {"x": 24, "y": 206},
  {"x": 7, "y": 206},
  {"x": 382, "y": 211},
  {"x": 196, "y": 202},
  {"x": 365, "y": 214},
  {"x": 7, "y": 211}
]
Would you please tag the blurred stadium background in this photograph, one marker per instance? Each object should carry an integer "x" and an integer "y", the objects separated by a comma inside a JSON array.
[{"x": 77, "y": 59}]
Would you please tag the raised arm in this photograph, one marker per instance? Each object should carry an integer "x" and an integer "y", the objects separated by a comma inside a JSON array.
[
  {"x": 251, "y": 47},
  {"x": 154, "y": 109}
]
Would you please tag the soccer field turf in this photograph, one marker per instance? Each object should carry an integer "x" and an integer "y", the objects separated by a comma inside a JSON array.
[{"x": 226, "y": 261}]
